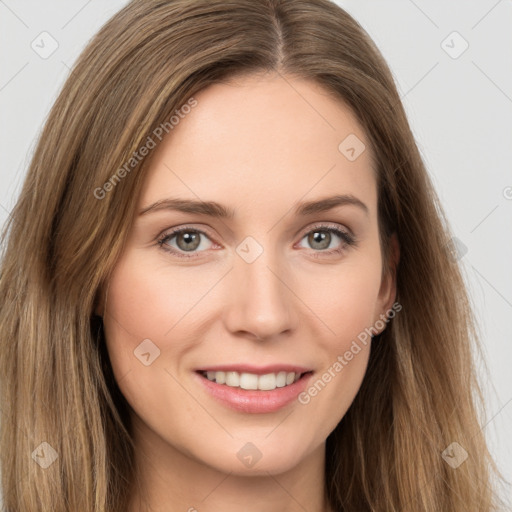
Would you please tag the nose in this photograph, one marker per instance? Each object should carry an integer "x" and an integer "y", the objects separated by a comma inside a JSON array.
[{"x": 261, "y": 302}]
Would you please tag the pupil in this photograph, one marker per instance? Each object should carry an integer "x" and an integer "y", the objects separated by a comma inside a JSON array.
[
  {"x": 321, "y": 238},
  {"x": 190, "y": 240}
]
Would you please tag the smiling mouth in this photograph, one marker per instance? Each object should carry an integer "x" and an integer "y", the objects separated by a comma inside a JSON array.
[{"x": 252, "y": 381}]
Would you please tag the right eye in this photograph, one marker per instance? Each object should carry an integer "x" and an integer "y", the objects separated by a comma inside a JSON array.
[{"x": 182, "y": 241}]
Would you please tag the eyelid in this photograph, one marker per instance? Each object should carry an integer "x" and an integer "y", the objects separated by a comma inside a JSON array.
[{"x": 324, "y": 225}]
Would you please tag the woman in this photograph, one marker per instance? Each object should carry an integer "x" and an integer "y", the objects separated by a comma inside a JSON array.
[{"x": 228, "y": 280}]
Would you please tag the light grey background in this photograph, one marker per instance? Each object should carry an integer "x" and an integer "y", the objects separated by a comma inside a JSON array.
[{"x": 459, "y": 106}]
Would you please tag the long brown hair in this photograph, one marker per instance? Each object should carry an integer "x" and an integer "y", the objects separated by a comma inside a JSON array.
[{"x": 420, "y": 393}]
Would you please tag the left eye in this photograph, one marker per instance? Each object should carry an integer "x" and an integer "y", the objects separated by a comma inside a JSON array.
[{"x": 321, "y": 237}]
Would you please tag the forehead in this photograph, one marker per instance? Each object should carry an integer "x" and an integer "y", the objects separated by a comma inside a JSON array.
[{"x": 261, "y": 139}]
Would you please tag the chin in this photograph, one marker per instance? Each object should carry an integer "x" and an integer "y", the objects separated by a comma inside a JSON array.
[{"x": 259, "y": 457}]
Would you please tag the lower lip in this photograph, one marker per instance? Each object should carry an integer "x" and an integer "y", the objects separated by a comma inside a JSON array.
[{"x": 255, "y": 401}]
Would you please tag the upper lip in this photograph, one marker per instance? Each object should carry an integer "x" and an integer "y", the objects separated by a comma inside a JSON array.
[{"x": 257, "y": 370}]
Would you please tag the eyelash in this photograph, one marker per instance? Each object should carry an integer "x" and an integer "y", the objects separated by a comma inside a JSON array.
[{"x": 347, "y": 238}]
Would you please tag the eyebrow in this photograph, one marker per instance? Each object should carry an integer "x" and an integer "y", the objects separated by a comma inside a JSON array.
[{"x": 216, "y": 210}]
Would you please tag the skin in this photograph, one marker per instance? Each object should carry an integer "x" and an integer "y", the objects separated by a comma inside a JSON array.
[{"x": 259, "y": 145}]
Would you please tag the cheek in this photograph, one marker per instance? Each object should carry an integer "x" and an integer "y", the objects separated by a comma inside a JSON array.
[
  {"x": 344, "y": 299},
  {"x": 346, "y": 302},
  {"x": 136, "y": 317},
  {"x": 149, "y": 300},
  {"x": 144, "y": 304},
  {"x": 151, "y": 322}
]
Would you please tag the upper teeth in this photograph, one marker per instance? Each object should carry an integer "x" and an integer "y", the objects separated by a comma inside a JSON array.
[{"x": 265, "y": 382}]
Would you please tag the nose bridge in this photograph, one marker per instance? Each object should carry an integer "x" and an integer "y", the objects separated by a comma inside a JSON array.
[{"x": 260, "y": 303}]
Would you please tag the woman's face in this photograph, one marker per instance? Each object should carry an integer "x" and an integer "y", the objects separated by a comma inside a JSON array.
[{"x": 268, "y": 285}]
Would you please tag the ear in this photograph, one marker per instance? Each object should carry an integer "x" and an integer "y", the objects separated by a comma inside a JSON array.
[{"x": 387, "y": 292}]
